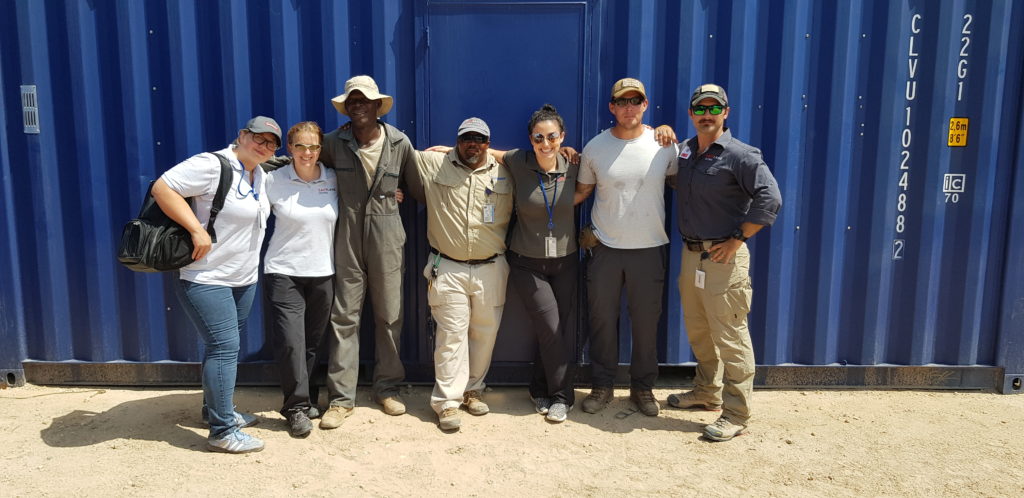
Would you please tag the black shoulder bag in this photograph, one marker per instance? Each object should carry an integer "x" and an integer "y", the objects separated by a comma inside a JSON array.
[{"x": 153, "y": 242}]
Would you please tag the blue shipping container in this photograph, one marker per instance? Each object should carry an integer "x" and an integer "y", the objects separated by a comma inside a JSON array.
[{"x": 894, "y": 129}]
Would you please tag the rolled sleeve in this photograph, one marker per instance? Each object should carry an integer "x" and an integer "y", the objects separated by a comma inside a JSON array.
[{"x": 760, "y": 184}]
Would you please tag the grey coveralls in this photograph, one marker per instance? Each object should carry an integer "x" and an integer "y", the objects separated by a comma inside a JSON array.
[{"x": 368, "y": 255}]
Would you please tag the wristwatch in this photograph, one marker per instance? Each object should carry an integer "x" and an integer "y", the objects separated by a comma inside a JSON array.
[{"x": 738, "y": 235}]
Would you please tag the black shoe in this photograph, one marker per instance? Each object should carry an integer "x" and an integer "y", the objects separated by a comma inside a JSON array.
[
  {"x": 645, "y": 402},
  {"x": 298, "y": 424},
  {"x": 598, "y": 398}
]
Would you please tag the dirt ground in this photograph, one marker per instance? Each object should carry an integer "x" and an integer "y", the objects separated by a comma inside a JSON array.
[{"x": 149, "y": 442}]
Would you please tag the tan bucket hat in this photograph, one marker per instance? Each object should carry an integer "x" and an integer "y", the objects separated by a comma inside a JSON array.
[{"x": 366, "y": 86}]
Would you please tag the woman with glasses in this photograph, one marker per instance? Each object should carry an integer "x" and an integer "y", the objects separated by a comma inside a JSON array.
[
  {"x": 542, "y": 256},
  {"x": 217, "y": 289},
  {"x": 299, "y": 268}
]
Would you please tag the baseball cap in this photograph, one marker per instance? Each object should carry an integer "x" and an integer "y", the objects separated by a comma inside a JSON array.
[
  {"x": 628, "y": 85},
  {"x": 474, "y": 125},
  {"x": 263, "y": 124},
  {"x": 709, "y": 90}
]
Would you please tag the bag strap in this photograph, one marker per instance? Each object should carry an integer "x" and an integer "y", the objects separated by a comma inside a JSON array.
[{"x": 222, "y": 192}]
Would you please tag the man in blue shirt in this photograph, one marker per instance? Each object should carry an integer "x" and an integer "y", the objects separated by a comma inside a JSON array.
[{"x": 725, "y": 195}]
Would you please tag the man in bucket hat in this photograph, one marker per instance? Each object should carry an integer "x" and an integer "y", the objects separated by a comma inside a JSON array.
[{"x": 371, "y": 159}]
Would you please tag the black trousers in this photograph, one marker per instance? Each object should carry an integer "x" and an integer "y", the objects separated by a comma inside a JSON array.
[
  {"x": 642, "y": 273},
  {"x": 300, "y": 308},
  {"x": 548, "y": 289}
]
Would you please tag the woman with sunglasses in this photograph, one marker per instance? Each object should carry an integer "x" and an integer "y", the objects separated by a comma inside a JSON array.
[
  {"x": 217, "y": 289},
  {"x": 542, "y": 256},
  {"x": 299, "y": 270}
]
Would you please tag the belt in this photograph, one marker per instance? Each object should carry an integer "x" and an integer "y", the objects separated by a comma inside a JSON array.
[
  {"x": 465, "y": 261},
  {"x": 697, "y": 245}
]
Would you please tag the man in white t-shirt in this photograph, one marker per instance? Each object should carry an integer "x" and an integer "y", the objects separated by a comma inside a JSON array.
[{"x": 627, "y": 168}]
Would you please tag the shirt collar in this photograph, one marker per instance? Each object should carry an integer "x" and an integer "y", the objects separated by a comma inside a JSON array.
[{"x": 294, "y": 176}]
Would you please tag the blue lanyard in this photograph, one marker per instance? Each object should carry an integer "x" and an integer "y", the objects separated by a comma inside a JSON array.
[
  {"x": 554, "y": 197},
  {"x": 252, "y": 189}
]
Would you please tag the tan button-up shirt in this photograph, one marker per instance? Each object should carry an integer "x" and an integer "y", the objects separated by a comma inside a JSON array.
[{"x": 457, "y": 198}]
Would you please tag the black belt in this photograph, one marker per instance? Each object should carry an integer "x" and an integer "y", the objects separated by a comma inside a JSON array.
[
  {"x": 464, "y": 261},
  {"x": 697, "y": 245}
]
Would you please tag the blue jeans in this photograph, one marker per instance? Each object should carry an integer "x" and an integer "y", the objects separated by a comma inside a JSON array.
[{"x": 219, "y": 313}]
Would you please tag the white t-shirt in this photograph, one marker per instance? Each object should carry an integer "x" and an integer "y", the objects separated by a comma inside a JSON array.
[
  {"x": 234, "y": 259},
  {"x": 305, "y": 213},
  {"x": 629, "y": 204}
]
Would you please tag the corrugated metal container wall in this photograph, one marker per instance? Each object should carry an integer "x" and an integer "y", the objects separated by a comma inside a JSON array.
[{"x": 893, "y": 247}]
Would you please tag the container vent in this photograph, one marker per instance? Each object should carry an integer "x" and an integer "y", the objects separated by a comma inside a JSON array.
[{"x": 30, "y": 108}]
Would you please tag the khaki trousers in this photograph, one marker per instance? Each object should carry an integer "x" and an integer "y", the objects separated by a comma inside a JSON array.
[
  {"x": 466, "y": 302},
  {"x": 716, "y": 323}
]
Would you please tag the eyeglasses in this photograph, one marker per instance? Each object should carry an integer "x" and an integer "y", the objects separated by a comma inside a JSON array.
[
  {"x": 474, "y": 138},
  {"x": 307, "y": 147},
  {"x": 699, "y": 110},
  {"x": 538, "y": 138},
  {"x": 624, "y": 101},
  {"x": 269, "y": 143}
]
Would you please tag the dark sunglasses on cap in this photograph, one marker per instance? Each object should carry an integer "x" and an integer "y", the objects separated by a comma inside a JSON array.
[
  {"x": 307, "y": 147},
  {"x": 714, "y": 110},
  {"x": 538, "y": 138},
  {"x": 473, "y": 138},
  {"x": 624, "y": 101}
]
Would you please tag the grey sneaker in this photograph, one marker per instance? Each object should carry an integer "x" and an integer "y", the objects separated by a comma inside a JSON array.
[
  {"x": 558, "y": 412},
  {"x": 313, "y": 412},
  {"x": 645, "y": 402},
  {"x": 474, "y": 405},
  {"x": 598, "y": 398},
  {"x": 242, "y": 420},
  {"x": 723, "y": 429},
  {"x": 299, "y": 424},
  {"x": 448, "y": 419},
  {"x": 542, "y": 405},
  {"x": 688, "y": 400},
  {"x": 235, "y": 442}
]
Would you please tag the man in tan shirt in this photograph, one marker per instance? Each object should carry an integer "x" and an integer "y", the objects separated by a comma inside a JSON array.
[{"x": 469, "y": 204}]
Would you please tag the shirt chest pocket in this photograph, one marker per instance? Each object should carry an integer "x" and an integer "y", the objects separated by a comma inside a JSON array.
[
  {"x": 388, "y": 184},
  {"x": 351, "y": 181},
  {"x": 500, "y": 194},
  {"x": 713, "y": 175}
]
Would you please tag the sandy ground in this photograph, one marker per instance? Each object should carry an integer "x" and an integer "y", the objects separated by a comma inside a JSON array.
[{"x": 149, "y": 442}]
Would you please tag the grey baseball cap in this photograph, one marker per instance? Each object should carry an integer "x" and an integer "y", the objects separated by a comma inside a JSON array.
[
  {"x": 263, "y": 124},
  {"x": 709, "y": 90},
  {"x": 474, "y": 125}
]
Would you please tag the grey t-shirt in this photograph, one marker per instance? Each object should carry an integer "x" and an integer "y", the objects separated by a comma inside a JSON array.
[
  {"x": 531, "y": 226},
  {"x": 629, "y": 204}
]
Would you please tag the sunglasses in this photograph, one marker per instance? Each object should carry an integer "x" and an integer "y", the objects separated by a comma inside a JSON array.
[
  {"x": 538, "y": 138},
  {"x": 474, "y": 138},
  {"x": 624, "y": 101},
  {"x": 269, "y": 143},
  {"x": 714, "y": 110},
  {"x": 307, "y": 147}
]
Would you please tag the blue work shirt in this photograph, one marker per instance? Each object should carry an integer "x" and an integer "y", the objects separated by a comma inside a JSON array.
[{"x": 725, "y": 186}]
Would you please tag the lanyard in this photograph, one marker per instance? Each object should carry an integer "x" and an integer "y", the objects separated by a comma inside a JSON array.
[
  {"x": 554, "y": 197},
  {"x": 252, "y": 189}
]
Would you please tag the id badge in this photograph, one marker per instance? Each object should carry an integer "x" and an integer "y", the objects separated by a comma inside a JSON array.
[
  {"x": 550, "y": 247},
  {"x": 698, "y": 280},
  {"x": 488, "y": 213}
]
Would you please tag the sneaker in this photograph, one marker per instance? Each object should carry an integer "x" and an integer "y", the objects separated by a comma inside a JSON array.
[
  {"x": 688, "y": 400},
  {"x": 313, "y": 412},
  {"x": 392, "y": 405},
  {"x": 299, "y": 424},
  {"x": 448, "y": 419},
  {"x": 558, "y": 412},
  {"x": 242, "y": 420},
  {"x": 598, "y": 398},
  {"x": 542, "y": 405},
  {"x": 723, "y": 429},
  {"x": 235, "y": 442},
  {"x": 334, "y": 417},
  {"x": 645, "y": 402},
  {"x": 474, "y": 405}
]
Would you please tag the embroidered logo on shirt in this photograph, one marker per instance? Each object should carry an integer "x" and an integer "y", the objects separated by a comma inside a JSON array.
[
  {"x": 327, "y": 190},
  {"x": 685, "y": 154}
]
